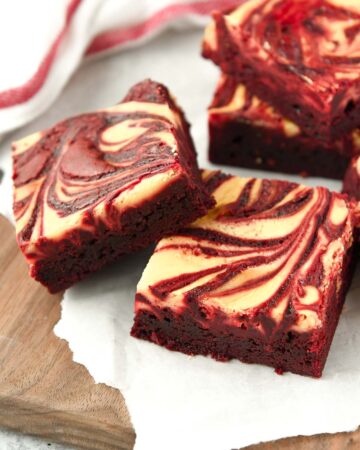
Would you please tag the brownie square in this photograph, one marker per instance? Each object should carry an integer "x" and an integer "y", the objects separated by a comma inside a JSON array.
[
  {"x": 261, "y": 278},
  {"x": 247, "y": 132},
  {"x": 302, "y": 57},
  {"x": 104, "y": 184}
]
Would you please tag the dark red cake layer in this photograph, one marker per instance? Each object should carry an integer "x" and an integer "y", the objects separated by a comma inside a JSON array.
[
  {"x": 261, "y": 278},
  {"x": 70, "y": 260},
  {"x": 302, "y": 57},
  {"x": 102, "y": 180},
  {"x": 247, "y": 132}
]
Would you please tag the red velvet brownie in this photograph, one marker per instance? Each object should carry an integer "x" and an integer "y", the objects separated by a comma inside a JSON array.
[
  {"x": 247, "y": 132},
  {"x": 262, "y": 277},
  {"x": 351, "y": 184},
  {"x": 301, "y": 56},
  {"x": 104, "y": 184}
]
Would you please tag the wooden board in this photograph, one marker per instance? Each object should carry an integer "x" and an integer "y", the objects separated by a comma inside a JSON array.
[{"x": 44, "y": 393}]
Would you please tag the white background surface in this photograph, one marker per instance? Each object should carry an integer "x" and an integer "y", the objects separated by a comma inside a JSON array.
[{"x": 174, "y": 59}]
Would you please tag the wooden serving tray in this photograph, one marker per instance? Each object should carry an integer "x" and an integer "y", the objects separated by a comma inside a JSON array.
[{"x": 44, "y": 393}]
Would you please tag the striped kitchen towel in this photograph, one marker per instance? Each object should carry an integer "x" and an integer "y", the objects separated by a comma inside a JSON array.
[{"x": 43, "y": 42}]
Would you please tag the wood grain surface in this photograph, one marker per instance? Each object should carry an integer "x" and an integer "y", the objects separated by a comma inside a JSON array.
[{"x": 44, "y": 393}]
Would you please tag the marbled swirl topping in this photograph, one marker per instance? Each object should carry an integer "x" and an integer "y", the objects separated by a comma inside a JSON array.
[
  {"x": 318, "y": 40},
  {"x": 88, "y": 169},
  {"x": 301, "y": 56},
  {"x": 263, "y": 256}
]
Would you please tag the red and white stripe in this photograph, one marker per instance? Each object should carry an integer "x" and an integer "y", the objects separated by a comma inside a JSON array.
[{"x": 88, "y": 27}]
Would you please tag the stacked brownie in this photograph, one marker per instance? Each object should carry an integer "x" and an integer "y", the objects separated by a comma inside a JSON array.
[{"x": 289, "y": 96}]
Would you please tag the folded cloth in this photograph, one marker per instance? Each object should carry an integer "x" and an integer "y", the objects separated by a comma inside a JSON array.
[{"x": 43, "y": 42}]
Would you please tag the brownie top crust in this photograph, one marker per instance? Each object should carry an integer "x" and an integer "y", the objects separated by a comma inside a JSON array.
[
  {"x": 75, "y": 173},
  {"x": 312, "y": 39},
  {"x": 264, "y": 256}
]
